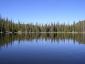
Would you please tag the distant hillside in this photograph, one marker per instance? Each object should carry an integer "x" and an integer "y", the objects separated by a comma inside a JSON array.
[{"x": 80, "y": 26}]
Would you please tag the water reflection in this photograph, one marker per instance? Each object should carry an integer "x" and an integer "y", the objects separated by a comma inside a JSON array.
[
  {"x": 42, "y": 48},
  {"x": 6, "y": 39}
]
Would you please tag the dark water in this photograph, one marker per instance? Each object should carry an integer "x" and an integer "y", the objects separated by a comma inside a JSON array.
[{"x": 42, "y": 49}]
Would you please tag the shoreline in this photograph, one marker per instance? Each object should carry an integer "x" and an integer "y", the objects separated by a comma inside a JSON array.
[{"x": 42, "y": 32}]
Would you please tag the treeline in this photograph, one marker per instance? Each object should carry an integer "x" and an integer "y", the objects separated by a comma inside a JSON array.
[{"x": 9, "y": 26}]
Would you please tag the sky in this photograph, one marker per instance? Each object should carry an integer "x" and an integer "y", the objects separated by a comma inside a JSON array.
[{"x": 43, "y": 11}]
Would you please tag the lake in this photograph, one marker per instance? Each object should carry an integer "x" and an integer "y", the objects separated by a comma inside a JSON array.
[{"x": 37, "y": 48}]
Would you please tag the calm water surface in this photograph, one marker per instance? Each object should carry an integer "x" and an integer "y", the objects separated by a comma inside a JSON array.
[{"x": 42, "y": 49}]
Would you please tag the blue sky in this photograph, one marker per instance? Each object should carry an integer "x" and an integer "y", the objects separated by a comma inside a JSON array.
[{"x": 43, "y": 11}]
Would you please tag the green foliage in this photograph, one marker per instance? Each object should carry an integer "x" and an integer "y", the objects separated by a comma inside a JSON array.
[{"x": 9, "y": 26}]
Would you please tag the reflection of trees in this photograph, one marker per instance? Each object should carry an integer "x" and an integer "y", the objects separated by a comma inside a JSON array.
[{"x": 5, "y": 40}]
